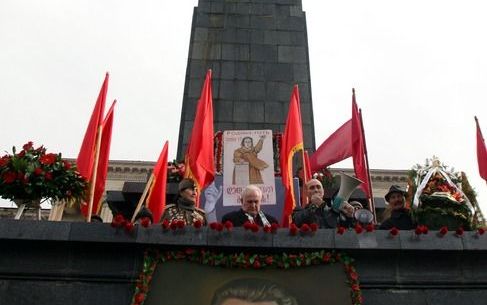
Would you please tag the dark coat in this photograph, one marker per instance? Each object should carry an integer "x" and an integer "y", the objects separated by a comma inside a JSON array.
[
  {"x": 400, "y": 219},
  {"x": 238, "y": 218},
  {"x": 323, "y": 216}
]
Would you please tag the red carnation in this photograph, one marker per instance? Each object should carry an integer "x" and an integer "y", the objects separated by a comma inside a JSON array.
[
  {"x": 145, "y": 222},
  {"x": 424, "y": 229},
  {"x": 293, "y": 229},
  {"x": 4, "y": 161},
  {"x": 165, "y": 224},
  {"x": 418, "y": 230},
  {"x": 9, "y": 177},
  {"x": 459, "y": 231},
  {"x": 313, "y": 227},
  {"x": 353, "y": 276},
  {"x": 256, "y": 264},
  {"x": 48, "y": 176},
  {"x": 21, "y": 154},
  {"x": 305, "y": 228},
  {"x": 28, "y": 145},
  {"x": 254, "y": 228},
  {"x": 228, "y": 225},
  {"x": 267, "y": 229},
  {"x": 274, "y": 227},
  {"x": 340, "y": 230},
  {"x": 394, "y": 231},
  {"x": 67, "y": 164},
  {"x": 118, "y": 220},
  {"x": 358, "y": 229},
  {"x": 219, "y": 226},
  {"x": 443, "y": 230},
  {"x": 269, "y": 260},
  {"x": 174, "y": 225},
  {"x": 480, "y": 231},
  {"x": 180, "y": 224},
  {"x": 370, "y": 227},
  {"x": 326, "y": 257},
  {"x": 129, "y": 226},
  {"x": 355, "y": 287},
  {"x": 213, "y": 225},
  {"x": 38, "y": 171},
  {"x": 247, "y": 225},
  {"x": 197, "y": 224}
]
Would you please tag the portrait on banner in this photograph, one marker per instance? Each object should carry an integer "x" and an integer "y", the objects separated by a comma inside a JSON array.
[{"x": 248, "y": 159}]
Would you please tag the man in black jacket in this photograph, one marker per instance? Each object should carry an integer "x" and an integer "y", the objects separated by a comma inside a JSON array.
[
  {"x": 396, "y": 215},
  {"x": 250, "y": 211}
]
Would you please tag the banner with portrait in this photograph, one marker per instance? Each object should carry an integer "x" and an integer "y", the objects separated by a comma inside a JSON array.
[{"x": 248, "y": 159}]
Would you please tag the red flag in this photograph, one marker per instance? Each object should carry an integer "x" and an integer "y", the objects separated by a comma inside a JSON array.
[
  {"x": 358, "y": 148},
  {"x": 156, "y": 199},
  {"x": 102, "y": 168},
  {"x": 336, "y": 148},
  {"x": 86, "y": 156},
  {"x": 308, "y": 175},
  {"x": 292, "y": 141},
  {"x": 199, "y": 157},
  {"x": 481, "y": 152}
]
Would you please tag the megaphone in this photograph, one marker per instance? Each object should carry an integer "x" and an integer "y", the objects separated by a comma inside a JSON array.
[{"x": 347, "y": 185}]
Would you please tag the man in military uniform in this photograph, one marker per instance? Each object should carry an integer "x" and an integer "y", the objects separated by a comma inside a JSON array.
[{"x": 185, "y": 207}]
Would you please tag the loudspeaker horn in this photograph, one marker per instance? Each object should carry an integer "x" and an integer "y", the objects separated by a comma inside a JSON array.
[{"x": 347, "y": 185}]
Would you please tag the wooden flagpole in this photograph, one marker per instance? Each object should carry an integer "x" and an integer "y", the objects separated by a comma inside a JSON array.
[
  {"x": 304, "y": 197},
  {"x": 142, "y": 198},
  {"x": 371, "y": 199},
  {"x": 95, "y": 171}
]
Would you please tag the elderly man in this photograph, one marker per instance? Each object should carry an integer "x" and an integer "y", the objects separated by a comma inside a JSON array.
[
  {"x": 318, "y": 212},
  {"x": 185, "y": 207},
  {"x": 250, "y": 211},
  {"x": 396, "y": 215}
]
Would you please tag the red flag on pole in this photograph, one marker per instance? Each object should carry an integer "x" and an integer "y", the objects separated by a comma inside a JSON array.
[
  {"x": 336, "y": 148},
  {"x": 102, "y": 168},
  {"x": 481, "y": 152},
  {"x": 156, "y": 199},
  {"x": 86, "y": 156},
  {"x": 358, "y": 148},
  {"x": 292, "y": 141},
  {"x": 199, "y": 157}
]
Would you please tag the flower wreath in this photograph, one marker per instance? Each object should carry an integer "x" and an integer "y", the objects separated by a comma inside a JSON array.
[{"x": 243, "y": 260}]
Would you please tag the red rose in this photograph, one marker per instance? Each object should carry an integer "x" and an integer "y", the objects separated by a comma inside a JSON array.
[
  {"x": 274, "y": 227},
  {"x": 118, "y": 220},
  {"x": 174, "y": 224},
  {"x": 21, "y": 154},
  {"x": 424, "y": 229},
  {"x": 370, "y": 227},
  {"x": 67, "y": 164},
  {"x": 418, "y": 230},
  {"x": 180, "y": 224},
  {"x": 145, "y": 222},
  {"x": 219, "y": 226},
  {"x": 28, "y": 145},
  {"x": 48, "y": 176},
  {"x": 4, "y": 161},
  {"x": 394, "y": 231},
  {"x": 358, "y": 229},
  {"x": 197, "y": 224},
  {"x": 254, "y": 228},
  {"x": 314, "y": 227},
  {"x": 228, "y": 225},
  {"x": 38, "y": 171},
  {"x": 165, "y": 224},
  {"x": 139, "y": 297},
  {"x": 293, "y": 229},
  {"x": 481, "y": 231},
  {"x": 459, "y": 231},
  {"x": 213, "y": 225},
  {"x": 9, "y": 177},
  {"x": 48, "y": 159},
  {"x": 443, "y": 231},
  {"x": 305, "y": 228},
  {"x": 340, "y": 230},
  {"x": 247, "y": 225}
]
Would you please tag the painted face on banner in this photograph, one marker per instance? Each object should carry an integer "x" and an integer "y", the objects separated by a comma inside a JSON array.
[{"x": 247, "y": 142}]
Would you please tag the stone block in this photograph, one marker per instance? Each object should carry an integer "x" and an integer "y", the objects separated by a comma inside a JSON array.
[
  {"x": 241, "y": 70},
  {"x": 472, "y": 241},
  {"x": 271, "y": 37},
  {"x": 376, "y": 267},
  {"x": 296, "y": 11},
  {"x": 321, "y": 239},
  {"x": 100, "y": 232},
  {"x": 474, "y": 268},
  {"x": 243, "y": 52},
  {"x": 227, "y": 89},
  {"x": 216, "y": 20},
  {"x": 291, "y": 38},
  {"x": 278, "y": 72},
  {"x": 256, "y": 90},
  {"x": 241, "y": 90},
  {"x": 190, "y": 111},
  {"x": 200, "y": 34},
  {"x": 289, "y": 54},
  {"x": 216, "y": 7},
  {"x": 202, "y": 19},
  {"x": 228, "y": 70},
  {"x": 257, "y": 36},
  {"x": 241, "y": 111},
  {"x": 215, "y": 35},
  {"x": 394, "y": 296},
  {"x": 229, "y": 51},
  {"x": 243, "y": 8},
  {"x": 430, "y": 241},
  {"x": 222, "y": 109},
  {"x": 348, "y": 240},
  {"x": 263, "y": 53},
  {"x": 256, "y": 71},
  {"x": 266, "y": 22},
  {"x": 239, "y": 237},
  {"x": 290, "y": 23},
  {"x": 301, "y": 72},
  {"x": 263, "y": 9},
  {"x": 423, "y": 267},
  {"x": 237, "y": 21},
  {"x": 34, "y": 230},
  {"x": 274, "y": 112},
  {"x": 257, "y": 113},
  {"x": 155, "y": 235}
]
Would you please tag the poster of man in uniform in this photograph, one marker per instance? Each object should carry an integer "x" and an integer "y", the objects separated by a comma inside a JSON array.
[{"x": 248, "y": 159}]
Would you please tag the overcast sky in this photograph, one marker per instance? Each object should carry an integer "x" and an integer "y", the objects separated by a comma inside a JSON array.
[{"x": 419, "y": 69}]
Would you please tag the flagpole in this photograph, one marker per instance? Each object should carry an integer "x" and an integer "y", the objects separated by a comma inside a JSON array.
[
  {"x": 371, "y": 199},
  {"x": 305, "y": 174},
  {"x": 95, "y": 167},
  {"x": 142, "y": 198}
]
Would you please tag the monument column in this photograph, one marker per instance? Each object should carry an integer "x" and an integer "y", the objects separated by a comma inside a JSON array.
[{"x": 257, "y": 49}]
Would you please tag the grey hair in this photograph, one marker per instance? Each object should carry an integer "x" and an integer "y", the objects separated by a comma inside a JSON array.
[{"x": 251, "y": 188}]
